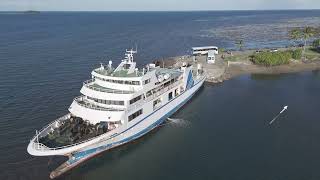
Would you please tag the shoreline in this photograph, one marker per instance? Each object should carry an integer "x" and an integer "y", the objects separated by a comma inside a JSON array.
[
  {"x": 293, "y": 67},
  {"x": 224, "y": 70}
]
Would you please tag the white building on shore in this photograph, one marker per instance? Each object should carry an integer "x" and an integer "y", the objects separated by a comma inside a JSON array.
[{"x": 210, "y": 51}]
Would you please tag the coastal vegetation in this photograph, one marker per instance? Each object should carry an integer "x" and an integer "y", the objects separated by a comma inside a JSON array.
[
  {"x": 276, "y": 58},
  {"x": 312, "y": 53},
  {"x": 316, "y": 43},
  {"x": 283, "y": 57},
  {"x": 296, "y": 54},
  {"x": 272, "y": 58}
]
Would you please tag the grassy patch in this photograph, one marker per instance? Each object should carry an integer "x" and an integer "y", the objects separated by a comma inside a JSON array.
[
  {"x": 237, "y": 57},
  {"x": 272, "y": 58},
  {"x": 312, "y": 54}
]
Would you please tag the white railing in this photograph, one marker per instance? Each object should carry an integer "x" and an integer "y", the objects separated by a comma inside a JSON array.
[
  {"x": 118, "y": 72},
  {"x": 81, "y": 100},
  {"x": 88, "y": 84},
  {"x": 49, "y": 125},
  {"x": 42, "y": 147}
]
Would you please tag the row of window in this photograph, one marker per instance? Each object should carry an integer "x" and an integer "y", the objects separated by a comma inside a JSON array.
[
  {"x": 159, "y": 88},
  {"x": 134, "y": 115},
  {"x": 108, "y": 102},
  {"x": 135, "y": 99},
  {"x": 119, "y": 81}
]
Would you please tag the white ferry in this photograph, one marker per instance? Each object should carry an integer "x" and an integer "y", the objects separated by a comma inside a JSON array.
[{"x": 117, "y": 105}]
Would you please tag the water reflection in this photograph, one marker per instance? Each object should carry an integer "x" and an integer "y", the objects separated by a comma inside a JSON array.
[{"x": 268, "y": 76}]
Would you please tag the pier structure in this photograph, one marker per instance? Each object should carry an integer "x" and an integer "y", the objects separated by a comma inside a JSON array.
[{"x": 215, "y": 72}]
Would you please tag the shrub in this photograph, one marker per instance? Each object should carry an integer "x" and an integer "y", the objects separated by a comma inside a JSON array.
[
  {"x": 296, "y": 54},
  {"x": 272, "y": 58},
  {"x": 316, "y": 43}
]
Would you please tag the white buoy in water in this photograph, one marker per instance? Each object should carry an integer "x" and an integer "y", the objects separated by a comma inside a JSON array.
[{"x": 284, "y": 109}]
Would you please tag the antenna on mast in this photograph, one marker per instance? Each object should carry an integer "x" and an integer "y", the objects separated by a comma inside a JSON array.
[{"x": 136, "y": 47}]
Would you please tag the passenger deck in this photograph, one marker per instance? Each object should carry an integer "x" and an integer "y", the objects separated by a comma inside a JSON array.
[
  {"x": 97, "y": 87},
  {"x": 119, "y": 73}
]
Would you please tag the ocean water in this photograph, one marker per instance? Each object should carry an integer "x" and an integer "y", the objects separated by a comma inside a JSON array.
[{"x": 44, "y": 59}]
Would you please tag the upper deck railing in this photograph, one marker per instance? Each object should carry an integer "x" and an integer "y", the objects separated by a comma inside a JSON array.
[
  {"x": 82, "y": 101},
  {"x": 90, "y": 84},
  {"x": 119, "y": 73}
]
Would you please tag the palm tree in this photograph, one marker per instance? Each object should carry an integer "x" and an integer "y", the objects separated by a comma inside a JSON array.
[
  {"x": 240, "y": 44},
  {"x": 222, "y": 50},
  {"x": 302, "y": 34},
  {"x": 295, "y": 34},
  {"x": 307, "y": 33}
]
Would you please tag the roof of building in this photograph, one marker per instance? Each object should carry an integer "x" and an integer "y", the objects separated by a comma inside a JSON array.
[{"x": 204, "y": 47}]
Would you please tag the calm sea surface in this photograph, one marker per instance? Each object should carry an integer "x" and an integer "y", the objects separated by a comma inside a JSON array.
[{"x": 44, "y": 58}]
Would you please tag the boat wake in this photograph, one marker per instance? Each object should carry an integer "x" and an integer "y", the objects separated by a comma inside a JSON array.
[{"x": 176, "y": 122}]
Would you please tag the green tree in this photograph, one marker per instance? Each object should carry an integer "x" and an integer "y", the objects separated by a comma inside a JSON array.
[{"x": 240, "y": 44}]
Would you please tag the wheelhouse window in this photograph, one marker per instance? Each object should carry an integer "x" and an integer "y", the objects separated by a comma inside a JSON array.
[{"x": 134, "y": 115}]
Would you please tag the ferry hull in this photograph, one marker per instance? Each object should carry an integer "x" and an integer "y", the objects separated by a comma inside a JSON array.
[{"x": 154, "y": 120}]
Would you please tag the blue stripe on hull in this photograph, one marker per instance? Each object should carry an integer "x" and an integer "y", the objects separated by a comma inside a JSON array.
[{"x": 78, "y": 156}]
